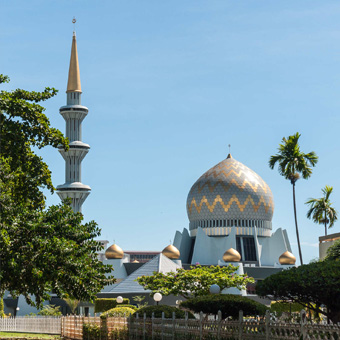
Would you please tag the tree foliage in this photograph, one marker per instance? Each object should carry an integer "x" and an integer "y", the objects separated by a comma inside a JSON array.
[
  {"x": 40, "y": 250},
  {"x": 24, "y": 125},
  {"x": 194, "y": 282},
  {"x": 311, "y": 285},
  {"x": 228, "y": 304},
  {"x": 291, "y": 163},
  {"x": 50, "y": 310},
  {"x": 321, "y": 210},
  {"x": 333, "y": 252}
]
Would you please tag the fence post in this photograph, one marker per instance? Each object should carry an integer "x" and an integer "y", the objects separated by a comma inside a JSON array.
[
  {"x": 186, "y": 322},
  {"x": 303, "y": 323},
  {"x": 201, "y": 326},
  {"x": 173, "y": 325},
  {"x": 136, "y": 325},
  {"x": 144, "y": 326},
  {"x": 130, "y": 327},
  {"x": 267, "y": 325},
  {"x": 240, "y": 322},
  {"x": 162, "y": 325},
  {"x": 152, "y": 317},
  {"x": 219, "y": 320}
]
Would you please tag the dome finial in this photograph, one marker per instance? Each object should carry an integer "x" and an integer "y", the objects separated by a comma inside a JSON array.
[
  {"x": 74, "y": 20},
  {"x": 171, "y": 252},
  {"x": 229, "y": 154}
]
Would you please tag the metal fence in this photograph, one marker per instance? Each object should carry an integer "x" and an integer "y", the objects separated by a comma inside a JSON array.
[
  {"x": 48, "y": 325},
  {"x": 141, "y": 327}
]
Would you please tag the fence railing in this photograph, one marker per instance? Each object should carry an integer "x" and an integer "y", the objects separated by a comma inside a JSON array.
[
  {"x": 141, "y": 327},
  {"x": 48, "y": 325}
]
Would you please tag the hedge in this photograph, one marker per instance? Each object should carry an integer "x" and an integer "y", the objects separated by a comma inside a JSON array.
[
  {"x": 228, "y": 304},
  {"x": 118, "y": 311},
  {"x": 285, "y": 307},
  {"x": 168, "y": 310},
  {"x": 102, "y": 305}
]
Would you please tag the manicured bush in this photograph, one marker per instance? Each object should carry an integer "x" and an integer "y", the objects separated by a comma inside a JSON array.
[
  {"x": 228, "y": 304},
  {"x": 103, "y": 305},
  {"x": 118, "y": 311},
  {"x": 168, "y": 310},
  {"x": 285, "y": 307},
  {"x": 135, "y": 308}
]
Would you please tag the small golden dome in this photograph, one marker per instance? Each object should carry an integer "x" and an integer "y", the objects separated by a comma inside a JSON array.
[
  {"x": 287, "y": 258},
  {"x": 135, "y": 261},
  {"x": 114, "y": 252},
  {"x": 231, "y": 255},
  {"x": 171, "y": 252}
]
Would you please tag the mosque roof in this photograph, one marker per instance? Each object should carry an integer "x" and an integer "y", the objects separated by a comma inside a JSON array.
[
  {"x": 159, "y": 263},
  {"x": 230, "y": 191}
]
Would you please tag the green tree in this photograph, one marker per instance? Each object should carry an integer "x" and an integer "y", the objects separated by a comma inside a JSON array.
[
  {"x": 321, "y": 210},
  {"x": 40, "y": 250},
  {"x": 333, "y": 252},
  {"x": 292, "y": 163},
  {"x": 194, "y": 282},
  {"x": 311, "y": 285}
]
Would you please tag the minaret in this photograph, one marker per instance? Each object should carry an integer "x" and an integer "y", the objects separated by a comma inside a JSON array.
[{"x": 74, "y": 113}]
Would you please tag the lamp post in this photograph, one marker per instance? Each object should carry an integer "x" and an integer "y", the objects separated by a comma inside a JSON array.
[
  {"x": 214, "y": 289},
  {"x": 157, "y": 297},
  {"x": 119, "y": 299}
]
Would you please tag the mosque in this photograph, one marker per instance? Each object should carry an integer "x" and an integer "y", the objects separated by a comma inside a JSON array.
[{"x": 230, "y": 210}]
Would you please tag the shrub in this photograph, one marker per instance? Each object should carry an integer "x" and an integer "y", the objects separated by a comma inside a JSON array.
[
  {"x": 93, "y": 332},
  {"x": 103, "y": 305},
  {"x": 135, "y": 308},
  {"x": 228, "y": 304},
  {"x": 50, "y": 310},
  {"x": 285, "y": 307},
  {"x": 118, "y": 311},
  {"x": 168, "y": 310},
  {"x": 119, "y": 334}
]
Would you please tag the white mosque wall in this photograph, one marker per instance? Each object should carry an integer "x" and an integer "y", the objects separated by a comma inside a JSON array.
[
  {"x": 209, "y": 250},
  {"x": 182, "y": 242},
  {"x": 25, "y": 309},
  {"x": 273, "y": 247}
]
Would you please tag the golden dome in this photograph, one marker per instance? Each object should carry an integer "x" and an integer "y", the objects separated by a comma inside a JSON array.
[
  {"x": 231, "y": 255},
  {"x": 114, "y": 252},
  {"x": 230, "y": 195},
  {"x": 287, "y": 258},
  {"x": 171, "y": 252},
  {"x": 135, "y": 261}
]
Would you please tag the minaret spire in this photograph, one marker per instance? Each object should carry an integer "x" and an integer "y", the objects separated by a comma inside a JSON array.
[
  {"x": 73, "y": 84},
  {"x": 74, "y": 113}
]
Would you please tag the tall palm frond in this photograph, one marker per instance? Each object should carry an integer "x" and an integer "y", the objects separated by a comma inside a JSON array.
[
  {"x": 320, "y": 209},
  {"x": 291, "y": 164}
]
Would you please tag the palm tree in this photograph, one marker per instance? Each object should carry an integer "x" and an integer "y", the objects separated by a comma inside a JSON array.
[
  {"x": 321, "y": 210},
  {"x": 292, "y": 162}
]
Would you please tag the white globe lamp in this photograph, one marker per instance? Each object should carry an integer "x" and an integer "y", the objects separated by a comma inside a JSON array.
[
  {"x": 214, "y": 289},
  {"x": 157, "y": 297},
  {"x": 119, "y": 299}
]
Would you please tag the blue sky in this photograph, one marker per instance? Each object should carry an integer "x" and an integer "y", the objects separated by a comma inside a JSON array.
[{"x": 169, "y": 85}]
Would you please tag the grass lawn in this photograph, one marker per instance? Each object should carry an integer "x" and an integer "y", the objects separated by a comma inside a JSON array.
[{"x": 27, "y": 335}]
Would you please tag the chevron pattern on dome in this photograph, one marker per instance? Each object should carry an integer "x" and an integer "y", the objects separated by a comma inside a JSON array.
[
  {"x": 226, "y": 206},
  {"x": 230, "y": 191},
  {"x": 220, "y": 171}
]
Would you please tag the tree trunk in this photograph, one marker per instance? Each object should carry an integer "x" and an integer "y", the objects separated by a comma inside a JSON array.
[
  {"x": 296, "y": 225},
  {"x": 325, "y": 224}
]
